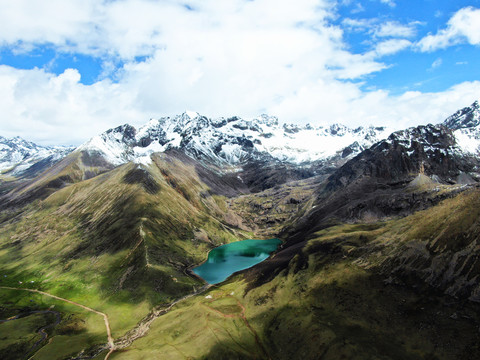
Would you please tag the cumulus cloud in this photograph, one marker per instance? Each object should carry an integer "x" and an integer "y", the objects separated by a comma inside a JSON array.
[
  {"x": 220, "y": 58},
  {"x": 463, "y": 26},
  {"x": 58, "y": 109},
  {"x": 73, "y": 112}
]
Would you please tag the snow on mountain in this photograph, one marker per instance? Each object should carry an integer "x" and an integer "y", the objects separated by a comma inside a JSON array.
[
  {"x": 458, "y": 135},
  {"x": 234, "y": 141},
  {"x": 18, "y": 155},
  {"x": 467, "y": 117},
  {"x": 230, "y": 141},
  {"x": 448, "y": 152},
  {"x": 465, "y": 124}
]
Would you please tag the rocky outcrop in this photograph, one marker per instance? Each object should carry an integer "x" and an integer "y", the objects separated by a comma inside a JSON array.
[{"x": 429, "y": 149}]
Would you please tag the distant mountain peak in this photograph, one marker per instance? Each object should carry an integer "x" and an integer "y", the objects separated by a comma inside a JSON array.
[
  {"x": 467, "y": 117},
  {"x": 191, "y": 114},
  {"x": 18, "y": 156},
  {"x": 231, "y": 141}
]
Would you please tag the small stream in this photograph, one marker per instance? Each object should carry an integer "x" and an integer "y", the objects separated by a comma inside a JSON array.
[{"x": 41, "y": 331}]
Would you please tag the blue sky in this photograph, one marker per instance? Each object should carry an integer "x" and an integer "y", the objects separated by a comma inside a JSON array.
[
  {"x": 412, "y": 70},
  {"x": 72, "y": 68}
]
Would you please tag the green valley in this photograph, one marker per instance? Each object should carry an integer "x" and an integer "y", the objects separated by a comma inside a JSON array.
[{"x": 373, "y": 254}]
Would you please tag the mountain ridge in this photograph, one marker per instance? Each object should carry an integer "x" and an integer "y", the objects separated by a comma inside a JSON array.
[
  {"x": 21, "y": 157},
  {"x": 231, "y": 141}
]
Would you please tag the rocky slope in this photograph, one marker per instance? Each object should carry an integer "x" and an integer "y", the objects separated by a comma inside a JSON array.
[
  {"x": 424, "y": 174},
  {"x": 447, "y": 153}
]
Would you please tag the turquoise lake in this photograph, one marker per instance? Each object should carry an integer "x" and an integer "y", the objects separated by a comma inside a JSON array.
[{"x": 224, "y": 260}]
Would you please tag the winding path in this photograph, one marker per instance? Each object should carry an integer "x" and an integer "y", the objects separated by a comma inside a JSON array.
[{"x": 105, "y": 317}]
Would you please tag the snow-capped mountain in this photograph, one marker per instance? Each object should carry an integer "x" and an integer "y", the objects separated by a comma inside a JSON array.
[
  {"x": 231, "y": 141},
  {"x": 18, "y": 156},
  {"x": 234, "y": 142},
  {"x": 467, "y": 117},
  {"x": 447, "y": 152},
  {"x": 466, "y": 126}
]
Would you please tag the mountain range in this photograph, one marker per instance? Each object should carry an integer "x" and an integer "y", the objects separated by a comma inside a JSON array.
[
  {"x": 380, "y": 255},
  {"x": 21, "y": 157},
  {"x": 233, "y": 142}
]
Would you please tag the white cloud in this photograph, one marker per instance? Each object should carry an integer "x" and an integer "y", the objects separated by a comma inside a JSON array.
[
  {"x": 437, "y": 63},
  {"x": 390, "y": 3},
  {"x": 358, "y": 8},
  {"x": 346, "y": 103},
  {"x": 395, "y": 29},
  {"x": 72, "y": 112},
  {"x": 59, "y": 109},
  {"x": 358, "y": 24},
  {"x": 379, "y": 29},
  {"x": 390, "y": 47},
  {"x": 391, "y": 29},
  {"x": 463, "y": 26},
  {"x": 224, "y": 58}
]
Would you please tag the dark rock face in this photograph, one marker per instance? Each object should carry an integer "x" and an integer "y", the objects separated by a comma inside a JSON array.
[
  {"x": 376, "y": 185},
  {"x": 427, "y": 149},
  {"x": 127, "y": 132},
  {"x": 373, "y": 184},
  {"x": 38, "y": 167},
  {"x": 261, "y": 175},
  {"x": 93, "y": 159}
]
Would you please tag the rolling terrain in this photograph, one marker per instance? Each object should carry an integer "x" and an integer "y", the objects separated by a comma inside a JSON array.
[{"x": 380, "y": 256}]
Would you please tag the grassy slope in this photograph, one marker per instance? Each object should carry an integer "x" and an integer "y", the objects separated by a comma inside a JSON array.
[
  {"x": 118, "y": 243},
  {"x": 333, "y": 301}
]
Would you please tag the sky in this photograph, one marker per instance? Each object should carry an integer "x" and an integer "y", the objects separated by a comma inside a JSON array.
[{"x": 70, "y": 69}]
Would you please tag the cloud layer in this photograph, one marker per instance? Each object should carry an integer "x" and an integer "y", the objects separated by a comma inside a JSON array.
[{"x": 219, "y": 58}]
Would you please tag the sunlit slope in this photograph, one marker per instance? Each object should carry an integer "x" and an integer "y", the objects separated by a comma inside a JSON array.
[
  {"x": 364, "y": 291},
  {"x": 75, "y": 167},
  {"x": 119, "y": 242}
]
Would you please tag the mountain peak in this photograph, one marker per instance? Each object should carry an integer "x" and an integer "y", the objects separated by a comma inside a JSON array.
[
  {"x": 18, "y": 155},
  {"x": 230, "y": 141},
  {"x": 267, "y": 120},
  {"x": 191, "y": 114},
  {"x": 468, "y": 117}
]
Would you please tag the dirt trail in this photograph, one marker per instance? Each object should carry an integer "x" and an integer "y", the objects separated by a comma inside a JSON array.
[{"x": 105, "y": 317}]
